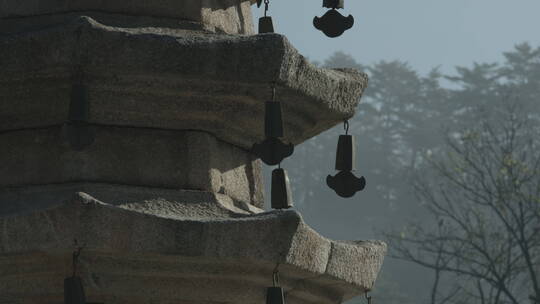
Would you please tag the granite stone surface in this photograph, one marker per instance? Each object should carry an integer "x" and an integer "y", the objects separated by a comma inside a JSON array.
[
  {"x": 135, "y": 255},
  {"x": 167, "y": 78},
  {"x": 228, "y": 16},
  {"x": 133, "y": 156},
  {"x": 167, "y": 200}
]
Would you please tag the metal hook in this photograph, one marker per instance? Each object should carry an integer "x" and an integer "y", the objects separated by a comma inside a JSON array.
[
  {"x": 346, "y": 127},
  {"x": 76, "y": 255},
  {"x": 275, "y": 276},
  {"x": 266, "y": 2},
  {"x": 273, "y": 91},
  {"x": 368, "y": 298}
]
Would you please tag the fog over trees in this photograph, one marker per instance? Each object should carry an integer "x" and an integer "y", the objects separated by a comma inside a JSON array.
[{"x": 452, "y": 164}]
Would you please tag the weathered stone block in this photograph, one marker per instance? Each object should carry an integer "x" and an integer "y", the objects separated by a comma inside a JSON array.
[
  {"x": 229, "y": 16},
  {"x": 132, "y": 156},
  {"x": 134, "y": 257},
  {"x": 170, "y": 79},
  {"x": 166, "y": 203}
]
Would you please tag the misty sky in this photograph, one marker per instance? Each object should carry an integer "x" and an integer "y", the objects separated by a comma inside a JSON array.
[{"x": 425, "y": 33}]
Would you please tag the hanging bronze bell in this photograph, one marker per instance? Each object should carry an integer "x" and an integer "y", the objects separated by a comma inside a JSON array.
[
  {"x": 74, "y": 291},
  {"x": 281, "y": 196},
  {"x": 266, "y": 25},
  {"x": 274, "y": 295},
  {"x": 345, "y": 184},
  {"x": 333, "y": 3},
  {"x": 272, "y": 150},
  {"x": 77, "y": 131},
  {"x": 273, "y": 123},
  {"x": 345, "y": 154},
  {"x": 78, "y": 107},
  {"x": 333, "y": 24},
  {"x": 78, "y": 134}
]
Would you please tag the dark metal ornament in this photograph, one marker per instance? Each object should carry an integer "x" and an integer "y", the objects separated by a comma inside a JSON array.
[
  {"x": 274, "y": 294},
  {"x": 265, "y": 23},
  {"x": 368, "y": 297},
  {"x": 345, "y": 153},
  {"x": 74, "y": 291},
  {"x": 77, "y": 131},
  {"x": 281, "y": 196},
  {"x": 273, "y": 121},
  {"x": 344, "y": 183},
  {"x": 272, "y": 150},
  {"x": 78, "y": 134},
  {"x": 333, "y": 24},
  {"x": 333, "y": 3}
]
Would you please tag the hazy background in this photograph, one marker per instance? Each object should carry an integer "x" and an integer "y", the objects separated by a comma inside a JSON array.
[
  {"x": 425, "y": 33},
  {"x": 393, "y": 37}
]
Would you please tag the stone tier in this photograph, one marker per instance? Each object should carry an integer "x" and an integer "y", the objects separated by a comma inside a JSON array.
[
  {"x": 153, "y": 249},
  {"x": 171, "y": 159},
  {"x": 166, "y": 78},
  {"x": 229, "y": 16}
]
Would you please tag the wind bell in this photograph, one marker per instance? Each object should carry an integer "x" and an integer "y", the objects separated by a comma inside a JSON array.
[
  {"x": 77, "y": 131},
  {"x": 274, "y": 294},
  {"x": 345, "y": 183},
  {"x": 333, "y": 24},
  {"x": 272, "y": 150},
  {"x": 265, "y": 23},
  {"x": 281, "y": 196}
]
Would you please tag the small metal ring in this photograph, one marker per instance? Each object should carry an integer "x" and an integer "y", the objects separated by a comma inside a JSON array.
[
  {"x": 266, "y": 4},
  {"x": 346, "y": 127}
]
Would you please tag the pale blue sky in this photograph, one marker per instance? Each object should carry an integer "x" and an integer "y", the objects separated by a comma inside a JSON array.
[{"x": 425, "y": 33}]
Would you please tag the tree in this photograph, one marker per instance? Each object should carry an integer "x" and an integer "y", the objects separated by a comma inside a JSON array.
[
  {"x": 484, "y": 196},
  {"x": 408, "y": 128}
]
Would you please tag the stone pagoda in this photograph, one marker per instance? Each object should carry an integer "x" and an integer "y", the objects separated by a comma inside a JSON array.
[{"x": 127, "y": 125}]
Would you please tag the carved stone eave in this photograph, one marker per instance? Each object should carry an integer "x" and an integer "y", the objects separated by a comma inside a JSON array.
[
  {"x": 169, "y": 79},
  {"x": 133, "y": 255}
]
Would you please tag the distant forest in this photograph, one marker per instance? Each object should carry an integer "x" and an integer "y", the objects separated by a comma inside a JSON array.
[{"x": 452, "y": 164}]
